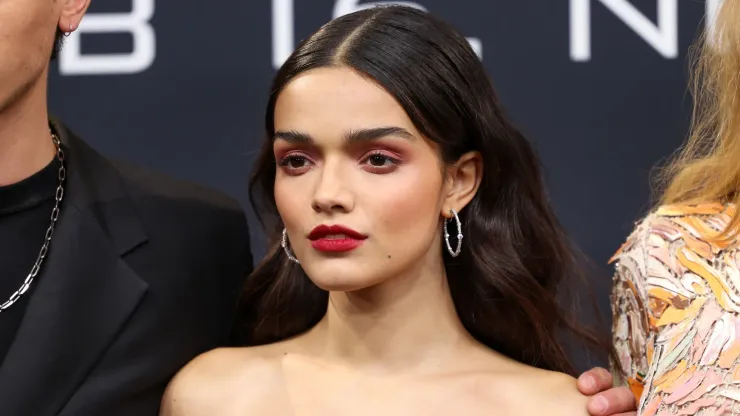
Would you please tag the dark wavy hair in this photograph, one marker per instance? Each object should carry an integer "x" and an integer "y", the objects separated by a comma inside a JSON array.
[{"x": 516, "y": 256}]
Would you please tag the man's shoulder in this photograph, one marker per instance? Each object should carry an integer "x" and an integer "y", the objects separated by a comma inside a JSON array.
[
  {"x": 181, "y": 207},
  {"x": 155, "y": 194},
  {"x": 144, "y": 183},
  {"x": 187, "y": 220}
]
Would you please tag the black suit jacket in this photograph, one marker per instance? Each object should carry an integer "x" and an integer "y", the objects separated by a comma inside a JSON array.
[{"x": 142, "y": 275}]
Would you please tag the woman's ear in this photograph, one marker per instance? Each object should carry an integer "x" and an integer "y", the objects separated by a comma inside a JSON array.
[{"x": 463, "y": 181}]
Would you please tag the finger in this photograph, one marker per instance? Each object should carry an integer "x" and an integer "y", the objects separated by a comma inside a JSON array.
[
  {"x": 613, "y": 401},
  {"x": 594, "y": 381}
]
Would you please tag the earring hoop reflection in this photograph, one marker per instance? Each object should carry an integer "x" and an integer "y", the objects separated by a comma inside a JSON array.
[
  {"x": 284, "y": 244},
  {"x": 456, "y": 252}
]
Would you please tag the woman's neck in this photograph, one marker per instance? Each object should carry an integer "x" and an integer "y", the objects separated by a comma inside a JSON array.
[{"x": 407, "y": 323}]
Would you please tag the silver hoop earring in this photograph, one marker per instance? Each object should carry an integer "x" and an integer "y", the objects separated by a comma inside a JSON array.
[
  {"x": 284, "y": 243},
  {"x": 456, "y": 252}
]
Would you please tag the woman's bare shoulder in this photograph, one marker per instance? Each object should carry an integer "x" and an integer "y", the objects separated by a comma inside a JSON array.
[
  {"x": 222, "y": 379},
  {"x": 559, "y": 394},
  {"x": 532, "y": 391}
]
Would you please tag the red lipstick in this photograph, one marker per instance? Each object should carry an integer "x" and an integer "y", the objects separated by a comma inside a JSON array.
[{"x": 335, "y": 238}]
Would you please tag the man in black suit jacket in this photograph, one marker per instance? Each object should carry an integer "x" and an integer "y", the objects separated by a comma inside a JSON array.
[{"x": 112, "y": 277}]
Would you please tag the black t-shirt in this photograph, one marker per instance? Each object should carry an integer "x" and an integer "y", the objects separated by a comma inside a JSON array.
[{"x": 25, "y": 215}]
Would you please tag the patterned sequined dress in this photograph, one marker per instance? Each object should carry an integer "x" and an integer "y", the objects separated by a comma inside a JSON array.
[{"x": 676, "y": 300}]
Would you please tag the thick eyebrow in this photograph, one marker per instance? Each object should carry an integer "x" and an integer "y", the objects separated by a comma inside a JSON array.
[
  {"x": 364, "y": 135},
  {"x": 360, "y": 135},
  {"x": 293, "y": 136}
]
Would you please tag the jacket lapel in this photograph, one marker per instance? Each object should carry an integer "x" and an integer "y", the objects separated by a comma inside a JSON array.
[{"x": 85, "y": 291}]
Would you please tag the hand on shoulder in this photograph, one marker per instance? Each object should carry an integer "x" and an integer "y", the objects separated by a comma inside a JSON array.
[
  {"x": 595, "y": 395},
  {"x": 604, "y": 398}
]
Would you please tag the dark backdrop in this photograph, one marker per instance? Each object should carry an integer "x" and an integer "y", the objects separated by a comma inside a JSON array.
[{"x": 598, "y": 85}]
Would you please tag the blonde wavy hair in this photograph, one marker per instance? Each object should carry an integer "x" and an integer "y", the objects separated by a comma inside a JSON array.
[{"x": 707, "y": 168}]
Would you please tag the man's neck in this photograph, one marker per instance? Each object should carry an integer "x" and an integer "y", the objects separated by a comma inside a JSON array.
[{"x": 25, "y": 140}]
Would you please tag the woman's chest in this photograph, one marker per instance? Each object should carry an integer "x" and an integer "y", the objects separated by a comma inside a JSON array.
[{"x": 327, "y": 394}]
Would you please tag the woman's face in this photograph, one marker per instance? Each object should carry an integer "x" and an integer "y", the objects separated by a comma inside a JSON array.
[{"x": 359, "y": 189}]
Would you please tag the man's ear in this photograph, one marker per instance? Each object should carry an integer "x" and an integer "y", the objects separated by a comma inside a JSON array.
[
  {"x": 72, "y": 13},
  {"x": 463, "y": 181}
]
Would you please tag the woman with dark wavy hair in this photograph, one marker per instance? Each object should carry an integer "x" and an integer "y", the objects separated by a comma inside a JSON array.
[{"x": 415, "y": 257}]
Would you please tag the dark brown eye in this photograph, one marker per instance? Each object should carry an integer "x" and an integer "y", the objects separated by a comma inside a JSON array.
[
  {"x": 295, "y": 164},
  {"x": 296, "y": 161},
  {"x": 378, "y": 160}
]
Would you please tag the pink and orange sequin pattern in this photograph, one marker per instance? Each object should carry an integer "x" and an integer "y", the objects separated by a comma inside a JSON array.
[{"x": 676, "y": 305}]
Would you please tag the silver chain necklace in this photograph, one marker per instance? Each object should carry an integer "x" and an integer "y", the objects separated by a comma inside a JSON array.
[{"x": 54, "y": 216}]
